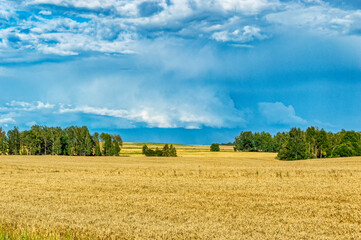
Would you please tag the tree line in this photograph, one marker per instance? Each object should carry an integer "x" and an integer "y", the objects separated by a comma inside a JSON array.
[
  {"x": 72, "y": 141},
  {"x": 166, "y": 151},
  {"x": 298, "y": 144}
]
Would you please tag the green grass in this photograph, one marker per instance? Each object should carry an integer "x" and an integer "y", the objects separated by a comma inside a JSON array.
[{"x": 12, "y": 235}]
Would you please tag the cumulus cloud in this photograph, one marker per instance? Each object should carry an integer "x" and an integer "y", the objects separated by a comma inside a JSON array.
[
  {"x": 180, "y": 63},
  {"x": 73, "y": 27},
  {"x": 45, "y": 12},
  {"x": 115, "y": 26},
  {"x": 278, "y": 113}
]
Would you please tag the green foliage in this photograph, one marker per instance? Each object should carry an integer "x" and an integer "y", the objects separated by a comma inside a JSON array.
[
  {"x": 167, "y": 151},
  {"x": 14, "y": 141},
  {"x": 295, "y": 147},
  {"x": 42, "y": 140},
  {"x": 279, "y": 140},
  {"x": 297, "y": 144},
  {"x": 107, "y": 144},
  {"x": 256, "y": 142},
  {"x": 97, "y": 151},
  {"x": 245, "y": 141},
  {"x": 3, "y": 142},
  {"x": 344, "y": 150},
  {"x": 117, "y": 142},
  {"x": 215, "y": 147}
]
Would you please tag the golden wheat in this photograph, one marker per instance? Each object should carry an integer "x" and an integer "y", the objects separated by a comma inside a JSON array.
[{"x": 199, "y": 195}]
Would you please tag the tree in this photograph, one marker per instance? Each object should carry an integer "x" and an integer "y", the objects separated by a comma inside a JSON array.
[
  {"x": 245, "y": 141},
  {"x": 43, "y": 140},
  {"x": 311, "y": 140},
  {"x": 107, "y": 144},
  {"x": 14, "y": 141},
  {"x": 263, "y": 142},
  {"x": 295, "y": 147},
  {"x": 344, "y": 150},
  {"x": 279, "y": 140},
  {"x": 117, "y": 142},
  {"x": 88, "y": 144},
  {"x": 166, "y": 151},
  {"x": 349, "y": 144},
  {"x": 321, "y": 143},
  {"x": 173, "y": 151},
  {"x": 97, "y": 151},
  {"x": 59, "y": 143},
  {"x": 215, "y": 147},
  {"x": 3, "y": 142}
]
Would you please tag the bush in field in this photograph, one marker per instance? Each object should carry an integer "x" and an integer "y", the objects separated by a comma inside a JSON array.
[
  {"x": 167, "y": 151},
  {"x": 215, "y": 147}
]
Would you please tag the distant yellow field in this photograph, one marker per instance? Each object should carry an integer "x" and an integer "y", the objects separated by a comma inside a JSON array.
[{"x": 198, "y": 195}]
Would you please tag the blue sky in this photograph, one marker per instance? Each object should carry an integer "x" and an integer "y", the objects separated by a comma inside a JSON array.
[{"x": 182, "y": 71}]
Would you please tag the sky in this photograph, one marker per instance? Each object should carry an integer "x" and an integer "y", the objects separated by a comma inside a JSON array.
[{"x": 181, "y": 71}]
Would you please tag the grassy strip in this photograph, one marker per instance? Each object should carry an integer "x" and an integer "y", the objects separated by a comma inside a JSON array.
[
  {"x": 6, "y": 234},
  {"x": 13, "y": 233}
]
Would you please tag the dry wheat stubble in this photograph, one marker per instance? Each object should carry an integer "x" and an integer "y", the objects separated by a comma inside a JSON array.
[{"x": 199, "y": 195}]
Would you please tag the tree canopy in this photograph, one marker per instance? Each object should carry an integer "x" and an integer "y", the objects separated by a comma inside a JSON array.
[
  {"x": 215, "y": 147},
  {"x": 298, "y": 144},
  {"x": 167, "y": 151},
  {"x": 73, "y": 140}
]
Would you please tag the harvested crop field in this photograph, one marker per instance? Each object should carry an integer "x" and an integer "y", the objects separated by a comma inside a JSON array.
[{"x": 198, "y": 195}]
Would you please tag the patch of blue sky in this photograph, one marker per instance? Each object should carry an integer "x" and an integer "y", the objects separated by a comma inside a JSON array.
[{"x": 183, "y": 72}]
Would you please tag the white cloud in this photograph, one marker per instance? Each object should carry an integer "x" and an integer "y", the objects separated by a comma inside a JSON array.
[
  {"x": 153, "y": 116},
  {"x": 247, "y": 34},
  {"x": 45, "y": 12},
  {"x": 116, "y": 26},
  {"x": 26, "y": 106},
  {"x": 278, "y": 113},
  {"x": 93, "y": 110},
  {"x": 6, "y": 120},
  {"x": 93, "y": 4},
  {"x": 121, "y": 29},
  {"x": 321, "y": 18}
]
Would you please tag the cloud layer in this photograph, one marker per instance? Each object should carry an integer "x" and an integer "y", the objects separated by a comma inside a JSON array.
[
  {"x": 192, "y": 64},
  {"x": 72, "y": 27}
]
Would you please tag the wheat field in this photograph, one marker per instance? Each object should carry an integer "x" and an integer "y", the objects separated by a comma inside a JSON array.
[{"x": 198, "y": 195}]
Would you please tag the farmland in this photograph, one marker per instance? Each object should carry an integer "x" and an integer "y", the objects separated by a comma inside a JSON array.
[{"x": 198, "y": 195}]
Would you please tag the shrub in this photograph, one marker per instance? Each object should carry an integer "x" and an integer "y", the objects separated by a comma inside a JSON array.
[
  {"x": 167, "y": 151},
  {"x": 215, "y": 147}
]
